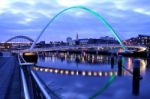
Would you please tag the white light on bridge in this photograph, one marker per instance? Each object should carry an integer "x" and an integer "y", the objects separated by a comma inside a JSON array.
[
  {"x": 51, "y": 70},
  {"x": 100, "y": 73},
  {"x": 72, "y": 72},
  {"x": 77, "y": 73},
  {"x": 41, "y": 69},
  {"x": 110, "y": 73},
  {"x": 46, "y": 70},
  {"x": 56, "y": 70},
  {"x": 61, "y": 71},
  {"x": 116, "y": 73},
  {"x": 66, "y": 72},
  {"x": 36, "y": 68},
  {"x": 95, "y": 73},
  {"x": 83, "y": 73},
  {"x": 89, "y": 73},
  {"x": 106, "y": 74}
]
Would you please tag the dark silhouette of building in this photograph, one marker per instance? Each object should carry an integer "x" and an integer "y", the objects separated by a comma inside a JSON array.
[
  {"x": 140, "y": 40},
  {"x": 102, "y": 40},
  {"x": 144, "y": 40}
]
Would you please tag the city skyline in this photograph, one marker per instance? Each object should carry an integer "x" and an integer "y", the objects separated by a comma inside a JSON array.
[
  {"x": 128, "y": 18},
  {"x": 22, "y": 38}
]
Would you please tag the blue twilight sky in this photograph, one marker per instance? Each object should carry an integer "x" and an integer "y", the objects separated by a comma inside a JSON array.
[{"x": 28, "y": 17}]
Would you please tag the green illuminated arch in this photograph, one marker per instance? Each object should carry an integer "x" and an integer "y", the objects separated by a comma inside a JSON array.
[
  {"x": 88, "y": 10},
  {"x": 97, "y": 15}
]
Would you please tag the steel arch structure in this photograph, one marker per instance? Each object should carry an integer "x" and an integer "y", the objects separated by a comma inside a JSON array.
[
  {"x": 97, "y": 15},
  {"x": 20, "y": 36}
]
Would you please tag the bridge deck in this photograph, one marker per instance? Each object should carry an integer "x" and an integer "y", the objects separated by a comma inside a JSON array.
[{"x": 10, "y": 84}]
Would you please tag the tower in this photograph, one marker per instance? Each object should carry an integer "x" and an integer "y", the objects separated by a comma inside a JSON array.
[
  {"x": 77, "y": 40},
  {"x": 77, "y": 37}
]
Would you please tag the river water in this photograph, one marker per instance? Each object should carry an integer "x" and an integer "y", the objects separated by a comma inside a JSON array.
[{"x": 76, "y": 76}]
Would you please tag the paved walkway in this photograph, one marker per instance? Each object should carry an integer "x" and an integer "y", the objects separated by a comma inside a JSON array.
[{"x": 10, "y": 81}]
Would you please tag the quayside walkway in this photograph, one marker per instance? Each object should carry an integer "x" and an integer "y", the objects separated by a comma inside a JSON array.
[{"x": 10, "y": 83}]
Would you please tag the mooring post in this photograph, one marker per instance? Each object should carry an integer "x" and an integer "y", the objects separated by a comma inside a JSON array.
[
  {"x": 112, "y": 61},
  {"x": 119, "y": 65},
  {"x": 136, "y": 77}
]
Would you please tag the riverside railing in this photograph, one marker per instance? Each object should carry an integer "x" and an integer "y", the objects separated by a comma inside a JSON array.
[{"x": 32, "y": 85}]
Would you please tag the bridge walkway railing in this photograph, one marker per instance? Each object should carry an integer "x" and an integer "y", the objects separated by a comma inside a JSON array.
[{"x": 33, "y": 86}]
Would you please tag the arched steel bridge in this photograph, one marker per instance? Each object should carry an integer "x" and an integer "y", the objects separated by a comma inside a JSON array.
[
  {"x": 95, "y": 46},
  {"x": 97, "y": 15},
  {"x": 20, "y": 36}
]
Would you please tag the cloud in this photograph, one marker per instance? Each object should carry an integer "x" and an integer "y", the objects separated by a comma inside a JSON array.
[
  {"x": 142, "y": 11},
  {"x": 125, "y": 16},
  {"x": 67, "y": 3}
]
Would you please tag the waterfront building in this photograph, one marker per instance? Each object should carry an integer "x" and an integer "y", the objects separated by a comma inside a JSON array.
[
  {"x": 144, "y": 40},
  {"x": 69, "y": 41}
]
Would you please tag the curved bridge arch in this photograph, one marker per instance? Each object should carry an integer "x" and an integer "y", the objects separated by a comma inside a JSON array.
[
  {"x": 88, "y": 10},
  {"x": 23, "y": 37},
  {"x": 103, "y": 21}
]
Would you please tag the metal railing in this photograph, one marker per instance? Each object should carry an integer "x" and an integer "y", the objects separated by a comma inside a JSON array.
[
  {"x": 41, "y": 86},
  {"x": 25, "y": 87},
  {"x": 25, "y": 67}
]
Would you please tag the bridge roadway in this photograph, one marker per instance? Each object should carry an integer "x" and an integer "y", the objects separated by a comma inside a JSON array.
[
  {"x": 96, "y": 46},
  {"x": 10, "y": 84}
]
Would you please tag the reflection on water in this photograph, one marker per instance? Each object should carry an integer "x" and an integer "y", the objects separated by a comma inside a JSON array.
[
  {"x": 129, "y": 63},
  {"x": 78, "y": 58},
  {"x": 86, "y": 62},
  {"x": 79, "y": 76},
  {"x": 143, "y": 64}
]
